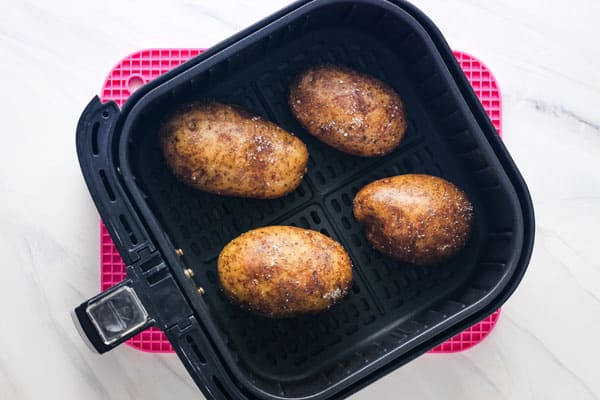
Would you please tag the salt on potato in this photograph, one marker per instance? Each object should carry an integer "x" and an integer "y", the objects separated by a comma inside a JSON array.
[
  {"x": 284, "y": 271},
  {"x": 352, "y": 112},
  {"x": 414, "y": 218},
  {"x": 224, "y": 150}
]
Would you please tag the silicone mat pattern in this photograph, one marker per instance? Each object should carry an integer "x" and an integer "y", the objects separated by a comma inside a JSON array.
[{"x": 143, "y": 66}]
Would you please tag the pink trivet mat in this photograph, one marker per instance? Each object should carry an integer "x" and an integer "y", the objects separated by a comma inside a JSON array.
[{"x": 141, "y": 67}]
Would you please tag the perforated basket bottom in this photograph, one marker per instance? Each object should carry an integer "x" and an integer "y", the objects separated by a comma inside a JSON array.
[{"x": 143, "y": 66}]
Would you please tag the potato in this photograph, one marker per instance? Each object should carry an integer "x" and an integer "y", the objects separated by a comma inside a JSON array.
[
  {"x": 353, "y": 112},
  {"x": 224, "y": 150},
  {"x": 284, "y": 271},
  {"x": 419, "y": 219}
]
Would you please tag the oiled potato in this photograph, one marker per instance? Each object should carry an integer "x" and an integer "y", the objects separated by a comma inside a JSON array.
[
  {"x": 283, "y": 271},
  {"x": 221, "y": 149},
  {"x": 420, "y": 219},
  {"x": 353, "y": 112}
]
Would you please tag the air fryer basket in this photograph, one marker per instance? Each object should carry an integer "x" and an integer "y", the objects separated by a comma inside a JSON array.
[{"x": 394, "y": 311}]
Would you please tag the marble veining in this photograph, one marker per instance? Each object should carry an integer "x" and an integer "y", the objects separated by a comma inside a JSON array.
[
  {"x": 55, "y": 56},
  {"x": 559, "y": 111}
]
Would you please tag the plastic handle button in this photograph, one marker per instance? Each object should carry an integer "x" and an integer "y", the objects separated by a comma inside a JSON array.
[{"x": 117, "y": 315}]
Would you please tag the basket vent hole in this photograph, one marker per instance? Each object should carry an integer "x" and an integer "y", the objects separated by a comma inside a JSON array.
[
  {"x": 127, "y": 228},
  {"x": 336, "y": 205},
  {"x": 107, "y": 187},
  {"x": 346, "y": 223},
  {"x": 134, "y": 83},
  {"x": 315, "y": 217},
  {"x": 95, "y": 147}
]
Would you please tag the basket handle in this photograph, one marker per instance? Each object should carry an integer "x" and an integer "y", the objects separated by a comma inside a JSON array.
[
  {"x": 150, "y": 295},
  {"x": 111, "y": 317}
]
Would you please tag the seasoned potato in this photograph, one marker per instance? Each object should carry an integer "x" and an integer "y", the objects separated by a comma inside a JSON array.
[
  {"x": 224, "y": 150},
  {"x": 353, "y": 112},
  {"x": 420, "y": 219},
  {"x": 283, "y": 271}
]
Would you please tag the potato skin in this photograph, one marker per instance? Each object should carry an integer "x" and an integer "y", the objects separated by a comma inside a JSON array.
[
  {"x": 419, "y": 219},
  {"x": 224, "y": 150},
  {"x": 352, "y": 112},
  {"x": 284, "y": 271}
]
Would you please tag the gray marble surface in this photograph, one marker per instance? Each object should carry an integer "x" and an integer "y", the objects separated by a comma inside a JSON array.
[{"x": 54, "y": 57}]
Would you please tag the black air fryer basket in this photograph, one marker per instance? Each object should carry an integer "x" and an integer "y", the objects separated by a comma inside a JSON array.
[{"x": 394, "y": 312}]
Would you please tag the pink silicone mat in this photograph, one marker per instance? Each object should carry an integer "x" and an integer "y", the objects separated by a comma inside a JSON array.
[{"x": 143, "y": 66}]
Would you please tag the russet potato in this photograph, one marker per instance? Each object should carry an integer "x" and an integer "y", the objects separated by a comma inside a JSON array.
[
  {"x": 224, "y": 150},
  {"x": 284, "y": 271},
  {"x": 352, "y": 112},
  {"x": 419, "y": 219}
]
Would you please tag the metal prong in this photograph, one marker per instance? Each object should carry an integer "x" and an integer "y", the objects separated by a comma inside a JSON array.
[
  {"x": 179, "y": 252},
  {"x": 201, "y": 291},
  {"x": 188, "y": 273}
]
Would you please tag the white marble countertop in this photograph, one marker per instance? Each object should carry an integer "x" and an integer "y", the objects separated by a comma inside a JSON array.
[{"x": 55, "y": 56}]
